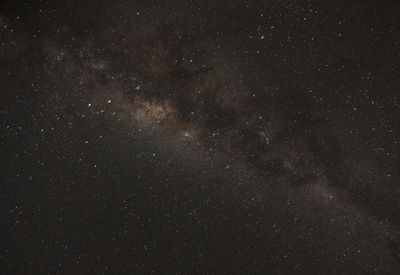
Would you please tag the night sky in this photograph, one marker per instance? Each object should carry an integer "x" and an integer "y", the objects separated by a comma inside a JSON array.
[{"x": 200, "y": 137}]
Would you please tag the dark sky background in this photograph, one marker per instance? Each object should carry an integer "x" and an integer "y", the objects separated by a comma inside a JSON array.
[{"x": 200, "y": 137}]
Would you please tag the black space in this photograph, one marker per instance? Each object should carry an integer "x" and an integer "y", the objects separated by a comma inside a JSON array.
[{"x": 200, "y": 137}]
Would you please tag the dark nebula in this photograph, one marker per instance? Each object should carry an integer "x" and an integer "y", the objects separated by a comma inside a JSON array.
[{"x": 200, "y": 137}]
